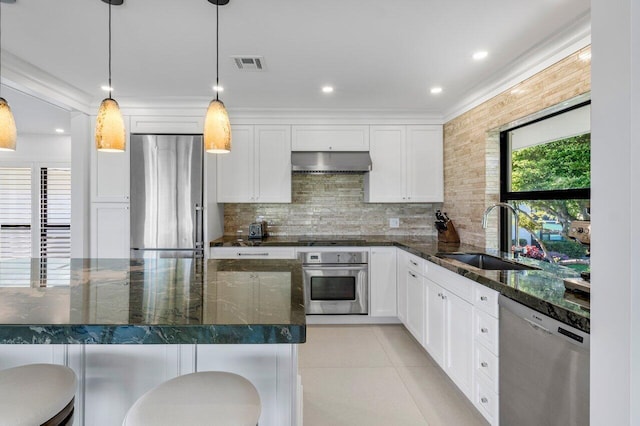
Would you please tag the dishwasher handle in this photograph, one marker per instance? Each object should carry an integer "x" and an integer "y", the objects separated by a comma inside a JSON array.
[{"x": 544, "y": 323}]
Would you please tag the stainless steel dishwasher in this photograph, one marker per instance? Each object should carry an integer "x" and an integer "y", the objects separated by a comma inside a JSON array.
[{"x": 544, "y": 369}]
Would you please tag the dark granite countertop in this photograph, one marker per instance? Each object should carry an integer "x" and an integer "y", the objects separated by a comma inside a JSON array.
[
  {"x": 151, "y": 301},
  {"x": 542, "y": 290}
]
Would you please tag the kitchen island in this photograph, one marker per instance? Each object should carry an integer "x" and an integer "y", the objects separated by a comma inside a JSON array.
[{"x": 126, "y": 326}]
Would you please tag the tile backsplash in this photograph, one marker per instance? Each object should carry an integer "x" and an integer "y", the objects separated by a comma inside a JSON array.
[{"x": 332, "y": 204}]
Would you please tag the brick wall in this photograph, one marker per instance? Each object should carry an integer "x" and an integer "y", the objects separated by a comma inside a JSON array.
[
  {"x": 332, "y": 204},
  {"x": 471, "y": 142}
]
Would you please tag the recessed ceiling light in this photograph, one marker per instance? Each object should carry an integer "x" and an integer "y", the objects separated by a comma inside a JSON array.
[
  {"x": 58, "y": 130},
  {"x": 481, "y": 54},
  {"x": 218, "y": 89},
  {"x": 327, "y": 89},
  {"x": 436, "y": 90},
  {"x": 106, "y": 88}
]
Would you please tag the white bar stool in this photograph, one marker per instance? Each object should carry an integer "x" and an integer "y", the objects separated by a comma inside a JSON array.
[
  {"x": 204, "y": 398},
  {"x": 37, "y": 394}
]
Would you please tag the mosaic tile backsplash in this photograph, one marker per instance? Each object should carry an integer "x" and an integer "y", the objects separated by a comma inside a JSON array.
[{"x": 332, "y": 204}]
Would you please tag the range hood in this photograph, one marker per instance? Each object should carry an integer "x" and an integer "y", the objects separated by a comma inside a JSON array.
[{"x": 330, "y": 161}]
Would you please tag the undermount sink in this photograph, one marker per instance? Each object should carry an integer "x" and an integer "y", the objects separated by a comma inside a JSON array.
[{"x": 485, "y": 261}]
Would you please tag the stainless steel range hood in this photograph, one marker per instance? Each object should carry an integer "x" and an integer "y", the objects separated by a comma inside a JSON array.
[{"x": 330, "y": 162}]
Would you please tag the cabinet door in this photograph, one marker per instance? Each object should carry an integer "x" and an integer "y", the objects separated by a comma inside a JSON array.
[
  {"x": 385, "y": 182},
  {"x": 235, "y": 169},
  {"x": 383, "y": 282},
  {"x": 330, "y": 138},
  {"x": 402, "y": 286},
  {"x": 272, "y": 180},
  {"x": 110, "y": 230},
  {"x": 459, "y": 341},
  {"x": 415, "y": 306},
  {"x": 425, "y": 181},
  {"x": 435, "y": 317},
  {"x": 109, "y": 172}
]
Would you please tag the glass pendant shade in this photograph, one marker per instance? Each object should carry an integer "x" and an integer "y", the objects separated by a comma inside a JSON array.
[
  {"x": 110, "y": 134},
  {"x": 8, "y": 133},
  {"x": 217, "y": 129}
]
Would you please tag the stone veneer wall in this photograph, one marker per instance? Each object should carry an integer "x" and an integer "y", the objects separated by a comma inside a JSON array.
[
  {"x": 331, "y": 204},
  {"x": 471, "y": 142}
]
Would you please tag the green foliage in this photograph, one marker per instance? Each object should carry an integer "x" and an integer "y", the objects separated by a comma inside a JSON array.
[
  {"x": 572, "y": 249},
  {"x": 563, "y": 164}
]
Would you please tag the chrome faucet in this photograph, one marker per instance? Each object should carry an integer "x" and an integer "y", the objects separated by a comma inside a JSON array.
[{"x": 513, "y": 210}]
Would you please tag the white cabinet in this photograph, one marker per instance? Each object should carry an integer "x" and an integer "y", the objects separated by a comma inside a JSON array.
[
  {"x": 416, "y": 310},
  {"x": 330, "y": 138},
  {"x": 258, "y": 168},
  {"x": 401, "y": 293},
  {"x": 449, "y": 330},
  {"x": 407, "y": 165},
  {"x": 383, "y": 282},
  {"x": 109, "y": 172},
  {"x": 110, "y": 230}
]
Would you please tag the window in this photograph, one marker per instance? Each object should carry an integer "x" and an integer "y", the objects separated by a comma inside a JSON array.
[
  {"x": 35, "y": 221},
  {"x": 546, "y": 172}
]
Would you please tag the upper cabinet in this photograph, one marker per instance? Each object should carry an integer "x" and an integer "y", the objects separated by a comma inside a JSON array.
[
  {"x": 110, "y": 172},
  {"x": 407, "y": 165},
  {"x": 330, "y": 138},
  {"x": 258, "y": 168}
]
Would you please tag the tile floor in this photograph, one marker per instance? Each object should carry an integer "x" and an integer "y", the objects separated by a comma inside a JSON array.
[{"x": 376, "y": 375}]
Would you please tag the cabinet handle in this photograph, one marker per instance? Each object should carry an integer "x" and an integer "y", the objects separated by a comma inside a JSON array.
[
  {"x": 444, "y": 297},
  {"x": 484, "y": 364},
  {"x": 253, "y": 254},
  {"x": 413, "y": 263},
  {"x": 484, "y": 400},
  {"x": 484, "y": 330},
  {"x": 483, "y": 298},
  {"x": 412, "y": 274},
  {"x": 439, "y": 294}
]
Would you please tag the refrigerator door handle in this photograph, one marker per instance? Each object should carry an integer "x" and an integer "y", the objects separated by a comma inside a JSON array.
[{"x": 198, "y": 228}]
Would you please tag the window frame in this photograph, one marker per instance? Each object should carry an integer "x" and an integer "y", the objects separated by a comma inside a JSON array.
[{"x": 506, "y": 196}]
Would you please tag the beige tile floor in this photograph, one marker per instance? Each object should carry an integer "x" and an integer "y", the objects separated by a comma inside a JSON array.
[{"x": 376, "y": 375}]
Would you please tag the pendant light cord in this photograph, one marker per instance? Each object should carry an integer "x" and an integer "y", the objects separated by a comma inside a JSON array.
[
  {"x": 110, "y": 87},
  {"x": 217, "y": 51}
]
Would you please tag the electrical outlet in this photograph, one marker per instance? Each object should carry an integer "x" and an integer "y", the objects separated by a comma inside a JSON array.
[{"x": 394, "y": 222}]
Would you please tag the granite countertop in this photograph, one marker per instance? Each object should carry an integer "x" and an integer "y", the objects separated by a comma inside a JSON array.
[
  {"x": 542, "y": 289},
  {"x": 151, "y": 301}
]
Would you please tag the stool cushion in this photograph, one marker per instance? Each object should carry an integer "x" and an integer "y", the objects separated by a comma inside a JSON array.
[
  {"x": 208, "y": 397},
  {"x": 32, "y": 394}
]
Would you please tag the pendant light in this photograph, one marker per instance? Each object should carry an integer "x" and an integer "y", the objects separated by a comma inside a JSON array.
[
  {"x": 110, "y": 133},
  {"x": 8, "y": 133},
  {"x": 217, "y": 129}
]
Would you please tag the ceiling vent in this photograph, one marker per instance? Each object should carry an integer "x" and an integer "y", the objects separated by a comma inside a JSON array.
[{"x": 249, "y": 63}]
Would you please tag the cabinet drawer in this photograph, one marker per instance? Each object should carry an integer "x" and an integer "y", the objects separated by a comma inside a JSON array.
[
  {"x": 486, "y": 330},
  {"x": 486, "y": 365},
  {"x": 414, "y": 263},
  {"x": 451, "y": 281},
  {"x": 252, "y": 253},
  {"x": 486, "y": 401},
  {"x": 486, "y": 299}
]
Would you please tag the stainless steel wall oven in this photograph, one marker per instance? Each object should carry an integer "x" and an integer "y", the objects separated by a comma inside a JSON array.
[{"x": 336, "y": 282}]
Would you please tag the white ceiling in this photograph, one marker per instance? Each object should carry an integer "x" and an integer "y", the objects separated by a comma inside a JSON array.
[{"x": 379, "y": 55}]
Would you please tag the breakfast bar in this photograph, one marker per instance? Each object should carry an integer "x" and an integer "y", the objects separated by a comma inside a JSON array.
[{"x": 127, "y": 325}]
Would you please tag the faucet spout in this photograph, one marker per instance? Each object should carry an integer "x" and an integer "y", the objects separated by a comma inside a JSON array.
[{"x": 513, "y": 210}]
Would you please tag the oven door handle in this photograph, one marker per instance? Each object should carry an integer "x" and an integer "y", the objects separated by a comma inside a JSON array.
[{"x": 346, "y": 266}]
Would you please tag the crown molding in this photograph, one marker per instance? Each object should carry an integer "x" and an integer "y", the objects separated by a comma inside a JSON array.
[
  {"x": 546, "y": 53},
  {"x": 24, "y": 77}
]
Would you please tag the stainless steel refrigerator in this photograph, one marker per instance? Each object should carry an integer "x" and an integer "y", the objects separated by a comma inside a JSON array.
[{"x": 166, "y": 196}]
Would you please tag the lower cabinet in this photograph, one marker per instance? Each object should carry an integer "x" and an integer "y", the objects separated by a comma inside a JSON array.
[
  {"x": 415, "y": 320},
  {"x": 110, "y": 231},
  {"x": 382, "y": 282},
  {"x": 449, "y": 334},
  {"x": 252, "y": 253},
  {"x": 401, "y": 282}
]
